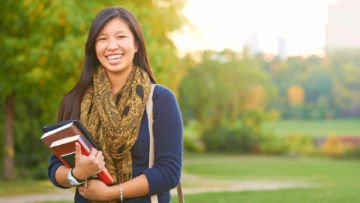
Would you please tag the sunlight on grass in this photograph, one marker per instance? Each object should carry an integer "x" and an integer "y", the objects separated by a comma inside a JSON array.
[
  {"x": 25, "y": 187},
  {"x": 254, "y": 167},
  {"x": 338, "y": 179},
  {"x": 323, "y": 195}
]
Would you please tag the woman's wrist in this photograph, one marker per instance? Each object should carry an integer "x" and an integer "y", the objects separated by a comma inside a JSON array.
[
  {"x": 114, "y": 192},
  {"x": 121, "y": 190},
  {"x": 78, "y": 174}
]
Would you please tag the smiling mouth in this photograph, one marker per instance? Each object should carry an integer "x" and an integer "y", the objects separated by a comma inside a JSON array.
[{"x": 114, "y": 59}]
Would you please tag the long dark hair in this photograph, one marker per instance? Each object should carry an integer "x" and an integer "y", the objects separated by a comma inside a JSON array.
[{"x": 70, "y": 105}]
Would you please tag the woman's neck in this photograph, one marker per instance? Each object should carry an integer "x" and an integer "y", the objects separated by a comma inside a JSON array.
[{"x": 118, "y": 79}]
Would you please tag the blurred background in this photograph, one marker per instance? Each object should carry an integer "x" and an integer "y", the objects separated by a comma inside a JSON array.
[{"x": 269, "y": 92}]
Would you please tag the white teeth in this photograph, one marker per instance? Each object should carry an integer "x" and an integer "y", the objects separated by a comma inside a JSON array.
[{"x": 112, "y": 57}]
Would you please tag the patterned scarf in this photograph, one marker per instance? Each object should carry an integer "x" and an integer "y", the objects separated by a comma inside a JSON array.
[{"x": 114, "y": 121}]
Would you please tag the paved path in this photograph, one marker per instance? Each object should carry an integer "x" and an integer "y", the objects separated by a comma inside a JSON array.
[
  {"x": 193, "y": 184},
  {"x": 196, "y": 184},
  {"x": 33, "y": 198}
]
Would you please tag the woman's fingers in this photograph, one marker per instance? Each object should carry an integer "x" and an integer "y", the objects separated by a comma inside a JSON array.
[
  {"x": 77, "y": 151},
  {"x": 93, "y": 152},
  {"x": 94, "y": 163},
  {"x": 100, "y": 161}
]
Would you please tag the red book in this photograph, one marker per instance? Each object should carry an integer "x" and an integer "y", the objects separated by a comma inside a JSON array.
[
  {"x": 66, "y": 146},
  {"x": 65, "y": 150}
]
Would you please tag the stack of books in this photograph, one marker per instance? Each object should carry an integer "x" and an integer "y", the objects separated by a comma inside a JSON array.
[{"x": 61, "y": 137}]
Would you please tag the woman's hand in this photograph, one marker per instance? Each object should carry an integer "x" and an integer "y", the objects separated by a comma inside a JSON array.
[
  {"x": 86, "y": 166},
  {"x": 97, "y": 190}
]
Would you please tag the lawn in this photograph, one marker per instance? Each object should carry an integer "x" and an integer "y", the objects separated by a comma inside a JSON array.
[
  {"x": 337, "y": 180},
  {"x": 324, "y": 195},
  {"x": 333, "y": 180},
  {"x": 257, "y": 167},
  {"x": 25, "y": 187},
  {"x": 314, "y": 127}
]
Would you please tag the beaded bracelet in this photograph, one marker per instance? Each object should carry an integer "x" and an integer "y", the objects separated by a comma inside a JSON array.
[{"x": 121, "y": 193}]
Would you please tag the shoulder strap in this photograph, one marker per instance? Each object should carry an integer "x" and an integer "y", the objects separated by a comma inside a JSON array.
[
  {"x": 149, "y": 111},
  {"x": 180, "y": 193}
]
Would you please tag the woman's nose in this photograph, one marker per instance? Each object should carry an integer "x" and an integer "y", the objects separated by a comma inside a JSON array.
[{"x": 112, "y": 45}]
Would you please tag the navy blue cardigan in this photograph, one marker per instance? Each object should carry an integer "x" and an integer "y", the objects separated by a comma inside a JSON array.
[{"x": 168, "y": 141}]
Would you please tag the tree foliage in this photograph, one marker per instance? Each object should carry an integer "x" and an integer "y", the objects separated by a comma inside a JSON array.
[
  {"x": 225, "y": 93},
  {"x": 329, "y": 83},
  {"x": 221, "y": 88},
  {"x": 295, "y": 95},
  {"x": 230, "y": 94}
]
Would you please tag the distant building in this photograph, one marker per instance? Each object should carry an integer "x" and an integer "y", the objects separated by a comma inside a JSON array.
[
  {"x": 282, "y": 52},
  {"x": 252, "y": 44},
  {"x": 343, "y": 28}
]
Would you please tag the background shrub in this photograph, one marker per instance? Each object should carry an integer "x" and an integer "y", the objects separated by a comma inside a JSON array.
[{"x": 237, "y": 138}]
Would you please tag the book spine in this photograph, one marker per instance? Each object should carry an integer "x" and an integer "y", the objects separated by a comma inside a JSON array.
[
  {"x": 105, "y": 176},
  {"x": 85, "y": 149}
]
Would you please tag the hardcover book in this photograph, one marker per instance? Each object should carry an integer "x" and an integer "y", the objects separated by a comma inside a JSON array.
[
  {"x": 61, "y": 138},
  {"x": 65, "y": 129},
  {"x": 66, "y": 146}
]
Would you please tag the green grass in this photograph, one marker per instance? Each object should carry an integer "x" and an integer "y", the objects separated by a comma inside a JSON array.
[
  {"x": 279, "y": 196},
  {"x": 338, "y": 180},
  {"x": 250, "y": 167},
  {"x": 25, "y": 187},
  {"x": 314, "y": 127}
]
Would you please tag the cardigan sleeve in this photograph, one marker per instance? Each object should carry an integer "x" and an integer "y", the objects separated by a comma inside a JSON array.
[
  {"x": 55, "y": 163},
  {"x": 168, "y": 141}
]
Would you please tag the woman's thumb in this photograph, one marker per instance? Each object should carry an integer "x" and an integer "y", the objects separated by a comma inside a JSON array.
[{"x": 77, "y": 150}]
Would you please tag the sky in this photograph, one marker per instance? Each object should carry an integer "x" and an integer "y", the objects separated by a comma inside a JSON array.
[{"x": 219, "y": 24}]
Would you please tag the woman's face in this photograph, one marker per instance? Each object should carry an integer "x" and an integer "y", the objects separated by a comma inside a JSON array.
[{"x": 115, "y": 47}]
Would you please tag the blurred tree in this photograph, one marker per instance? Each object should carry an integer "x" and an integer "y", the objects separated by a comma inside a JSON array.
[
  {"x": 305, "y": 87},
  {"x": 284, "y": 74},
  {"x": 221, "y": 88},
  {"x": 295, "y": 95},
  {"x": 319, "y": 96},
  {"x": 346, "y": 89},
  {"x": 41, "y": 54},
  {"x": 257, "y": 98},
  {"x": 318, "y": 84},
  {"x": 42, "y": 51}
]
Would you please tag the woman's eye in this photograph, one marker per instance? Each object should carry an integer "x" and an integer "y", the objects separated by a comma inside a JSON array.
[
  {"x": 121, "y": 36},
  {"x": 101, "y": 39}
]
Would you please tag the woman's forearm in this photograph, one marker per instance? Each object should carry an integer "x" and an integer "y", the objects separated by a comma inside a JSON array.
[
  {"x": 97, "y": 190},
  {"x": 61, "y": 176},
  {"x": 135, "y": 187}
]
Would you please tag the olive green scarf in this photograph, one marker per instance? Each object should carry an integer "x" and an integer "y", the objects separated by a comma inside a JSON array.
[{"x": 114, "y": 121}]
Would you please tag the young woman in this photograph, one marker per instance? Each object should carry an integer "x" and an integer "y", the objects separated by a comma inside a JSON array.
[{"x": 110, "y": 100}]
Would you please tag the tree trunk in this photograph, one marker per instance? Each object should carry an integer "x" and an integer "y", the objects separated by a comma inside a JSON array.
[{"x": 9, "y": 151}]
